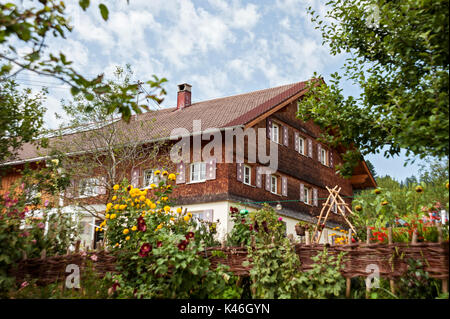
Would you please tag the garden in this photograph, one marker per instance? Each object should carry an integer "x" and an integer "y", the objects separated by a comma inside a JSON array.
[{"x": 152, "y": 250}]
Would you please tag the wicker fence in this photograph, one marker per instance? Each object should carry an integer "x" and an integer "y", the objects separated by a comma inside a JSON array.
[{"x": 391, "y": 260}]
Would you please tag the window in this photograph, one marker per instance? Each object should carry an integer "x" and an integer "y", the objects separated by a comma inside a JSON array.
[
  {"x": 275, "y": 133},
  {"x": 204, "y": 215},
  {"x": 247, "y": 175},
  {"x": 324, "y": 156},
  {"x": 198, "y": 172},
  {"x": 88, "y": 187},
  {"x": 301, "y": 145},
  {"x": 150, "y": 177},
  {"x": 306, "y": 195},
  {"x": 273, "y": 184}
]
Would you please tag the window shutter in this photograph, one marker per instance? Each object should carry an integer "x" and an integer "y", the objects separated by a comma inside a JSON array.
[
  {"x": 269, "y": 128},
  {"x": 268, "y": 182},
  {"x": 310, "y": 150},
  {"x": 70, "y": 190},
  {"x": 331, "y": 159},
  {"x": 181, "y": 170},
  {"x": 284, "y": 186},
  {"x": 102, "y": 187},
  {"x": 240, "y": 172},
  {"x": 319, "y": 152},
  {"x": 302, "y": 192},
  {"x": 258, "y": 177},
  {"x": 135, "y": 177},
  {"x": 296, "y": 136},
  {"x": 285, "y": 136},
  {"x": 315, "y": 197},
  {"x": 211, "y": 166}
]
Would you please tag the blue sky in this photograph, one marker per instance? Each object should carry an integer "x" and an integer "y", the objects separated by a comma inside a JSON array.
[{"x": 220, "y": 47}]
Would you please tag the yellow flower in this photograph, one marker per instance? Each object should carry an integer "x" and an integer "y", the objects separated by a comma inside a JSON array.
[
  {"x": 122, "y": 207},
  {"x": 186, "y": 218},
  {"x": 166, "y": 208},
  {"x": 160, "y": 226},
  {"x": 172, "y": 219},
  {"x": 142, "y": 198},
  {"x": 153, "y": 186},
  {"x": 116, "y": 245},
  {"x": 114, "y": 197},
  {"x": 103, "y": 223},
  {"x": 171, "y": 177},
  {"x": 134, "y": 228},
  {"x": 126, "y": 231},
  {"x": 116, "y": 187},
  {"x": 148, "y": 202},
  {"x": 157, "y": 172},
  {"x": 97, "y": 229},
  {"x": 189, "y": 214},
  {"x": 165, "y": 173},
  {"x": 113, "y": 216},
  {"x": 116, "y": 207},
  {"x": 127, "y": 238},
  {"x": 107, "y": 216},
  {"x": 179, "y": 210},
  {"x": 108, "y": 206},
  {"x": 153, "y": 206}
]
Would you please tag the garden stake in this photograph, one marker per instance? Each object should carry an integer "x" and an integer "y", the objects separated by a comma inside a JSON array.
[
  {"x": 368, "y": 235},
  {"x": 414, "y": 237}
]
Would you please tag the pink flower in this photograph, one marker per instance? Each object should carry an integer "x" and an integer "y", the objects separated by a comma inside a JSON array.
[
  {"x": 46, "y": 203},
  {"x": 34, "y": 241},
  {"x": 24, "y": 284},
  {"x": 280, "y": 219},
  {"x": 94, "y": 257},
  {"x": 41, "y": 225},
  {"x": 83, "y": 254}
]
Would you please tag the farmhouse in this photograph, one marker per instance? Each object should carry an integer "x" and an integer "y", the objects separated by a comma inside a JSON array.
[{"x": 208, "y": 187}]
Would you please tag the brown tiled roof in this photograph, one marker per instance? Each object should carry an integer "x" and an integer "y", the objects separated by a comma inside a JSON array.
[{"x": 217, "y": 113}]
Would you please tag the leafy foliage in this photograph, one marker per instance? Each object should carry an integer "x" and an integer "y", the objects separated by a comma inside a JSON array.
[
  {"x": 21, "y": 118},
  {"x": 32, "y": 26},
  {"x": 399, "y": 60}
]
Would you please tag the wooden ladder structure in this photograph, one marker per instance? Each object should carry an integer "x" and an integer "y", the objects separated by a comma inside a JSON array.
[{"x": 341, "y": 205}]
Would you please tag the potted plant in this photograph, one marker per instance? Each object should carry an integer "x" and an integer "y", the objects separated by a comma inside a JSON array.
[{"x": 301, "y": 227}]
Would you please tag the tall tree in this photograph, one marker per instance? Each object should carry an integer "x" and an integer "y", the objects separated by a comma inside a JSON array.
[
  {"x": 21, "y": 118},
  {"x": 399, "y": 58},
  {"x": 29, "y": 26}
]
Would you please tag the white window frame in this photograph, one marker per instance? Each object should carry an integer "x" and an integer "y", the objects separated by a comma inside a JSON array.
[
  {"x": 272, "y": 184},
  {"x": 306, "y": 194},
  {"x": 301, "y": 146},
  {"x": 247, "y": 176},
  {"x": 154, "y": 180},
  {"x": 92, "y": 186},
  {"x": 203, "y": 215},
  {"x": 274, "y": 138},
  {"x": 323, "y": 156},
  {"x": 201, "y": 177}
]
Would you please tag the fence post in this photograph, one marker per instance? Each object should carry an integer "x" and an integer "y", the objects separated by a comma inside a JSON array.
[
  {"x": 444, "y": 281},
  {"x": 348, "y": 284},
  {"x": 350, "y": 236},
  {"x": 307, "y": 238},
  {"x": 414, "y": 237},
  {"x": 325, "y": 236},
  {"x": 391, "y": 281},
  {"x": 77, "y": 246},
  {"x": 368, "y": 235}
]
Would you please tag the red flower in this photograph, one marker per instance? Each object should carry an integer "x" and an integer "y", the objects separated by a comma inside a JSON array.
[
  {"x": 115, "y": 285},
  {"x": 243, "y": 220},
  {"x": 142, "y": 226},
  {"x": 159, "y": 244},
  {"x": 250, "y": 227},
  {"x": 182, "y": 245},
  {"x": 145, "y": 249},
  {"x": 189, "y": 235}
]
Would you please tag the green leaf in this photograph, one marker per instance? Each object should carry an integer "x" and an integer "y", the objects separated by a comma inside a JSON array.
[{"x": 103, "y": 11}]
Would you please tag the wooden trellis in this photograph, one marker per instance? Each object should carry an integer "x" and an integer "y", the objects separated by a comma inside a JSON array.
[{"x": 333, "y": 199}]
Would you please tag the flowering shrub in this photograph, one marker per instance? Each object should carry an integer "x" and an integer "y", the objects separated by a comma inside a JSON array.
[
  {"x": 406, "y": 212},
  {"x": 24, "y": 215},
  {"x": 160, "y": 250}
]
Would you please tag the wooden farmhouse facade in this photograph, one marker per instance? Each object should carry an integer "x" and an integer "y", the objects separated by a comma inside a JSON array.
[{"x": 208, "y": 188}]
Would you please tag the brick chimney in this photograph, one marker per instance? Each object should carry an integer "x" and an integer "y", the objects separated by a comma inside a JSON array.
[{"x": 184, "y": 96}]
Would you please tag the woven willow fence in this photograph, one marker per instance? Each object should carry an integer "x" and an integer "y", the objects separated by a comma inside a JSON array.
[{"x": 391, "y": 260}]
